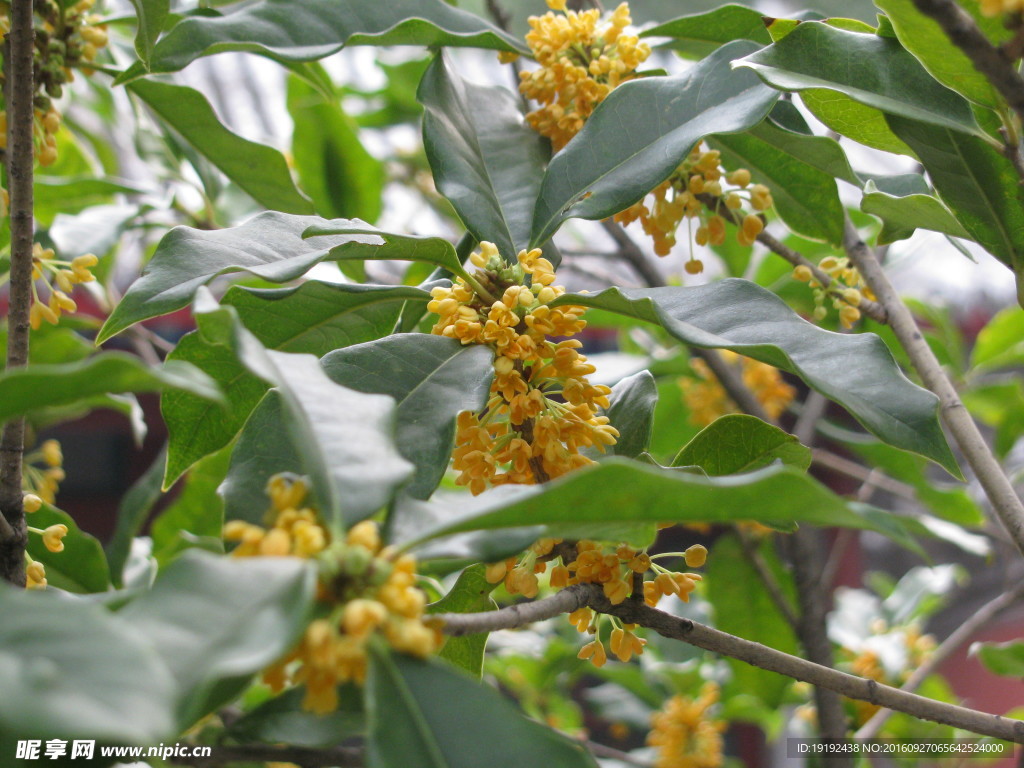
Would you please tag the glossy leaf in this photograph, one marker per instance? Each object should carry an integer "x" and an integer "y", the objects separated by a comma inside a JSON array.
[
  {"x": 316, "y": 29},
  {"x": 1005, "y": 659},
  {"x": 699, "y": 34},
  {"x": 282, "y": 720},
  {"x": 268, "y": 246},
  {"x": 217, "y": 621},
  {"x": 857, "y": 371},
  {"x": 740, "y": 443},
  {"x": 638, "y": 136},
  {"x": 902, "y": 214},
  {"x": 151, "y": 15},
  {"x": 622, "y": 491},
  {"x": 412, "y": 705},
  {"x": 45, "y": 386},
  {"x": 471, "y": 593},
  {"x": 72, "y": 670},
  {"x": 978, "y": 184},
  {"x": 432, "y": 379},
  {"x": 781, "y": 129},
  {"x": 863, "y": 124},
  {"x": 632, "y": 413},
  {"x": 486, "y": 160},
  {"x": 81, "y": 566},
  {"x": 342, "y": 178},
  {"x": 874, "y": 71},
  {"x": 259, "y": 170}
]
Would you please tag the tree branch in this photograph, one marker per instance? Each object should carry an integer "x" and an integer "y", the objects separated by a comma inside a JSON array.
[
  {"x": 510, "y": 617},
  {"x": 306, "y": 757},
  {"x": 946, "y": 648},
  {"x": 770, "y": 583},
  {"x": 20, "y": 87},
  {"x": 990, "y": 474}
]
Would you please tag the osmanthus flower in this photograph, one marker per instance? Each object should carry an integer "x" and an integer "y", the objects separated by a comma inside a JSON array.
[
  {"x": 543, "y": 410},
  {"x": 582, "y": 58},
  {"x": 41, "y": 484},
  {"x": 66, "y": 274},
  {"x": 707, "y": 399},
  {"x": 686, "y": 734},
  {"x": 365, "y": 591},
  {"x": 847, "y": 289}
]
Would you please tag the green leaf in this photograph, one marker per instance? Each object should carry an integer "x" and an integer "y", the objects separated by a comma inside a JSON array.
[
  {"x": 268, "y": 246},
  {"x": 81, "y": 566},
  {"x": 151, "y": 14},
  {"x": 978, "y": 184},
  {"x": 432, "y": 379},
  {"x": 316, "y": 29},
  {"x": 486, "y": 160},
  {"x": 737, "y": 592},
  {"x": 638, "y": 136},
  {"x": 44, "y": 386},
  {"x": 849, "y": 118},
  {"x": 259, "y": 170},
  {"x": 806, "y": 198},
  {"x": 1005, "y": 659},
  {"x": 317, "y": 317},
  {"x": 923, "y": 37},
  {"x": 71, "y": 194},
  {"x": 698, "y": 34},
  {"x": 875, "y": 71},
  {"x": 902, "y": 214},
  {"x": 342, "y": 178},
  {"x": 132, "y": 512},
  {"x": 471, "y": 593},
  {"x": 631, "y": 411},
  {"x": 71, "y": 670},
  {"x": 282, "y": 720},
  {"x": 740, "y": 443},
  {"x": 366, "y": 242},
  {"x": 412, "y": 706},
  {"x": 786, "y": 130},
  {"x": 1001, "y": 342},
  {"x": 855, "y": 370},
  {"x": 217, "y": 621},
  {"x": 622, "y": 491},
  {"x": 196, "y": 516}
]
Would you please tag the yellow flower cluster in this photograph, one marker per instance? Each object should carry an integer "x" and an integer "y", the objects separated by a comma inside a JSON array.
[
  {"x": 524, "y": 434},
  {"x": 706, "y": 399},
  {"x": 587, "y": 562},
  {"x": 65, "y": 38},
  {"x": 365, "y": 590},
  {"x": 846, "y": 290},
  {"x": 581, "y": 60},
  {"x": 66, "y": 274},
  {"x": 695, "y": 191},
  {"x": 41, "y": 485},
  {"x": 1000, "y": 7},
  {"x": 685, "y": 735}
]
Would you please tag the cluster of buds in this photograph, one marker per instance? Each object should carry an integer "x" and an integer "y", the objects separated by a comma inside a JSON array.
[
  {"x": 365, "y": 590},
  {"x": 698, "y": 189},
  {"x": 66, "y": 38},
  {"x": 581, "y": 60},
  {"x": 41, "y": 485},
  {"x": 685, "y": 735},
  {"x": 707, "y": 399},
  {"x": 846, "y": 290},
  {"x": 66, "y": 274},
  {"x": 588, "y": 562},
  {"x": 524, "y": 435}
]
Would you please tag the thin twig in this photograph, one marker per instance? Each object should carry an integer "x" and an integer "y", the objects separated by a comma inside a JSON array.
[
  {"x": 307, "y": 757},
  {"x": 856, "y": 471},
  {"x": 771, "y": 584},
  {"x": 946, "y": 648},
  {"x": 18, "y": 77},
  {"x": 755, "y": 654},
  {"x": 631, "y": 253},
  {"x": 990, "y": 474}
]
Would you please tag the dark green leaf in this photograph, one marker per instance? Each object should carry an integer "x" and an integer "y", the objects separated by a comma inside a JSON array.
[
  {"x": 638, "y": 136},
  {"x": 44, "y": 386},
  {"x": 196, "y": 516},
  {"x": 1005, "y": 659},
  {"x": 413, "y": 704},
  {"x": 978, "y": 184},
  {"x": 432, "y": 379},
  {"x": 282, "y": 720},
  {"x": 902, "y": 214},
  {"x": 855, "y": 370},
  {"x": 342, "y": 178},
  {"x": 216, "y": 621},
  {"x": 316, "y": 29},
  {"x": 268, "y": 246},
  {"x": 485, "y": 159},
  {"x": 698, "y": 34},
  {"x": 132, "y": 512},
  {"x": 781, "y": 130},
  {"x": 471, "y": 593},
  {"x": 81, "y": 566},
  {"x": 257, "y": 169},
  {"x": 632, "y": 413},
  {"x": 741, "y": 443},
  {"x": 151, "y": 14}
]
